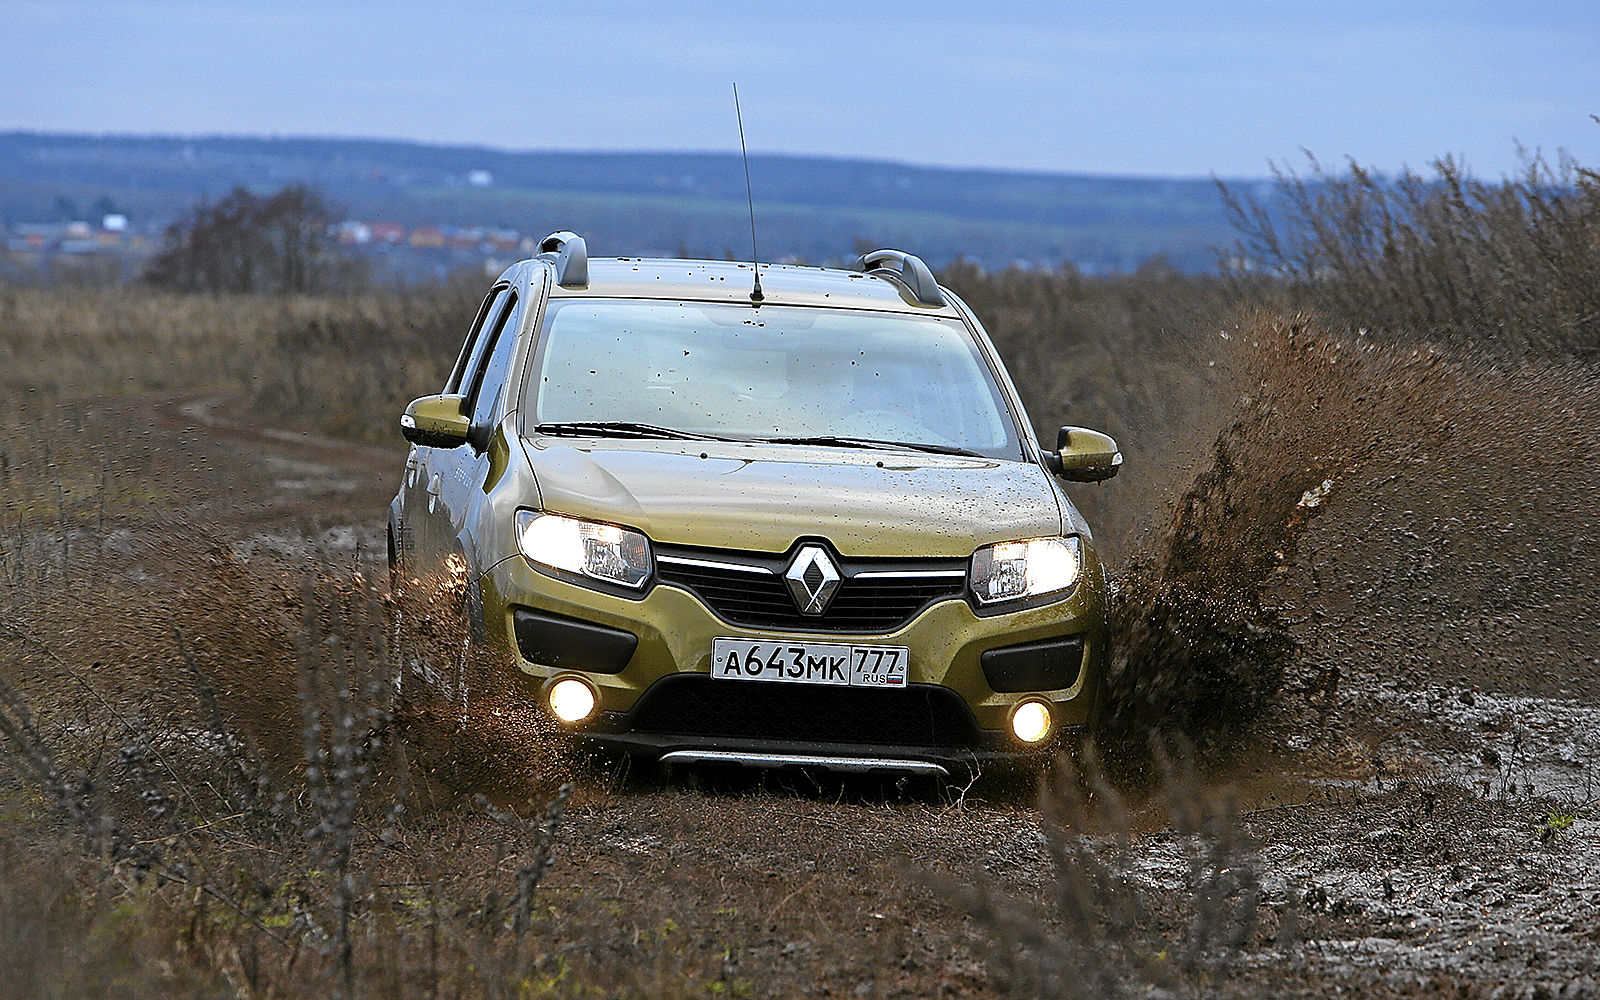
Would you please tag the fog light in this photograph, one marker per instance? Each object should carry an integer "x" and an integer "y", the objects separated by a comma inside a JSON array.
[
  {"x": 571, "y": 699},
  {"x": 1031, "y": 721}
]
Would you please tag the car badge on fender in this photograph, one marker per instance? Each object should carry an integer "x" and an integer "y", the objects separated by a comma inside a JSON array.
[{"x": 813, "y": 579}]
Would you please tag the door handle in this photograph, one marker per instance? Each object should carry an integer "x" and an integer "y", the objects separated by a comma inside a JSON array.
[
  {"x": 411, "y": 469},
  {"x": 434, "y": 485}
]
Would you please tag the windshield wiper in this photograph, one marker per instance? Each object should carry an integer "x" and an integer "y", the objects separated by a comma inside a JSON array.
[
  {"x": 837, "y": 441},
  {"x": 621, "y": 428}
]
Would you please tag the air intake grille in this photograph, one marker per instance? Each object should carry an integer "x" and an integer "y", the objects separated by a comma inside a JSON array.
[
  {"x": 922, "y": 715},
  {"x": 749, "y": 589}
]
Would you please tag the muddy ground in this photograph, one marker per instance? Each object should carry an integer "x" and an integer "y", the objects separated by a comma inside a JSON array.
[{"x": 1414, "y": 815}]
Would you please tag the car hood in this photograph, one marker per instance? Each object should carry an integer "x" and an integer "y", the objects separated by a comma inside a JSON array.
[{"x": 763, "y": 497}]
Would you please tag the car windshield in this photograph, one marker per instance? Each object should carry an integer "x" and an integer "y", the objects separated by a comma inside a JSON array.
[{"x": 787, "y": 373}]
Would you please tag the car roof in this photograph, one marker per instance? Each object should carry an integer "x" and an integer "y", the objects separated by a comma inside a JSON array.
[{"x": 732, "y": 281}]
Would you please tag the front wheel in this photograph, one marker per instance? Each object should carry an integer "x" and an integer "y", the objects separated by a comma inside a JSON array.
[
  {"x": 472, "y": 612},
  {"x": 396, "y": 577}
]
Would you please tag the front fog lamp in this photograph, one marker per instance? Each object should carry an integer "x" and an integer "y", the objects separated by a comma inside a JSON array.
[
  {"x": 1012, "y": 571},
  {"x": 571, "y": 700},
  {"x": 601, "y": 551},
  {"x": 1031, "y": 721}
]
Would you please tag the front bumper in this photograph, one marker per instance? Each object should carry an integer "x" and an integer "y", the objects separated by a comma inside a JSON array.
[{"x": 672, "y": 634}]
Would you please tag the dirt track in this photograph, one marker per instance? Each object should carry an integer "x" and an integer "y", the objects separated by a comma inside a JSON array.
[
  {"x": 1415, "y": 815},
  {"x": 1427, "y": 830}
]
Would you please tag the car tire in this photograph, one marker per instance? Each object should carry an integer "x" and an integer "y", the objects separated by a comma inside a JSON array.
[
  {"x": 396, "y": 576},
  {"x": 472, "y": 612}
]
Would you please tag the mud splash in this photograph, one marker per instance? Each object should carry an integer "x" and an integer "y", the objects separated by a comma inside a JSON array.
[
  {"x": 1197, "y": 645},
  {"x": 1342, "y": 460},
  {"x": 176, "y": 629}
]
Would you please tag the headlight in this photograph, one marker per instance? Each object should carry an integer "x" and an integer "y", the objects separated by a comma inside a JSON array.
[
  {"x": 1012, "y": 571},
  {"x": 602, "y": 551},
  {"x": 572, "y": 700},
  {"x": 1030, "y": 721}
]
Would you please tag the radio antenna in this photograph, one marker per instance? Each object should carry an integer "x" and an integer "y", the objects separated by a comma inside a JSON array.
[{"x": 755, "y": 256}]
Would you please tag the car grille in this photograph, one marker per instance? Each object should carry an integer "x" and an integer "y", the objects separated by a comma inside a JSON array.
[
  {"x": 749, "y": 589},
  {"x": 922, "y": 715}
]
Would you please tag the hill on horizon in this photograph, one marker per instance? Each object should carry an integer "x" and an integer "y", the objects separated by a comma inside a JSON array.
[{"x": 641, "y": 203}]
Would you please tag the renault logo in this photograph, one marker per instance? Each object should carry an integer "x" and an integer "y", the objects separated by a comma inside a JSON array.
[{"x": 812, "y": 579}]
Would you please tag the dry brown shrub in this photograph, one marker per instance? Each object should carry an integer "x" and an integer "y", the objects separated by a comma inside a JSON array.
[{"x": 1510, "y": 267}]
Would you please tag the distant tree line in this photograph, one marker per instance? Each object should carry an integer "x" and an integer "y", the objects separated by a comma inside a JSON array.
[{"x": 249, "y": 243}]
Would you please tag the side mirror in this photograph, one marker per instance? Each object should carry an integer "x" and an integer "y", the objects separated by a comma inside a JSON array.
[
  {"x": 436, "y": 421},
  {"x": 1084, "y": 456}
]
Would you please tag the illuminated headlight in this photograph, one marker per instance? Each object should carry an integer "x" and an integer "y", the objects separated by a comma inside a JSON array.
[
  {"x": 571, "y": 700},
  {"x": 1031, "y": 721},
  {"x": 601, "y": 551},
  {"x": 1012, "y": 571}
]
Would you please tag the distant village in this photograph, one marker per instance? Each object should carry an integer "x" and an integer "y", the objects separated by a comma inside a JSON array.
[
  {"x": 42, "y": 239},
  {"x": 116, "y": 248},
  {"x": 467, "y": 240},
  {"x": 432, "y": 251}
]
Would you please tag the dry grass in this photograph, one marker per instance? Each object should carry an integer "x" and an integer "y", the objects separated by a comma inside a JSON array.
[
  {"x": 255, "y": 803},
  {"x": 341, "y": 365},
  {"x": 1510, "y": 268},
  {"x": 1102, "y": 932}
]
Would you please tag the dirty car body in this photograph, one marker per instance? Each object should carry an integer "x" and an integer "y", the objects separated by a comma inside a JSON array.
[{"x": 806, "y": 526}]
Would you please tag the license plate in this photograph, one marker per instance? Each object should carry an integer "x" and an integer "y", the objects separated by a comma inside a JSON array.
[{"x": 810, "y": 663}]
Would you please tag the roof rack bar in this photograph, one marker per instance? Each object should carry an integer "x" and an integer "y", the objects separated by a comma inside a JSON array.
[
  {"x": 570, "y": 255},
  {"x": 911, "y": 271}
]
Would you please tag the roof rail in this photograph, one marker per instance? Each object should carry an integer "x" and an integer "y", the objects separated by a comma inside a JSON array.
[
  {"x": 570, "y": 255},
  {"x": 911, "y": 271}
]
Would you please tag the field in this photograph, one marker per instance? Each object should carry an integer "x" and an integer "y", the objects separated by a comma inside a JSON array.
[{"x": 1352, "y": 747}]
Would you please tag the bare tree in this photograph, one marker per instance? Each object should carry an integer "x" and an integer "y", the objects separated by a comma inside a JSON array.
[{"x": 247, "y": 243}]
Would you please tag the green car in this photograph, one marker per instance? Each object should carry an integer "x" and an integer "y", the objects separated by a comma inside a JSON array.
[{"x": 791, "y": 516}]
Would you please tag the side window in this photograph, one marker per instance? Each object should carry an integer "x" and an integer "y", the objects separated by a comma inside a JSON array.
[
  {"x": 473, "y": 346},
  {"x": 489, "y": 378}
]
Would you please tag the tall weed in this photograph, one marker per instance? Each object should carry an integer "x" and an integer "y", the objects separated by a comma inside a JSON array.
[{"x": 1511, "y": 267}]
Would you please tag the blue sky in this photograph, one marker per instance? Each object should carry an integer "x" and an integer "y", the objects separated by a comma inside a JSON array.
[{"x": 1140, "y": 88}]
